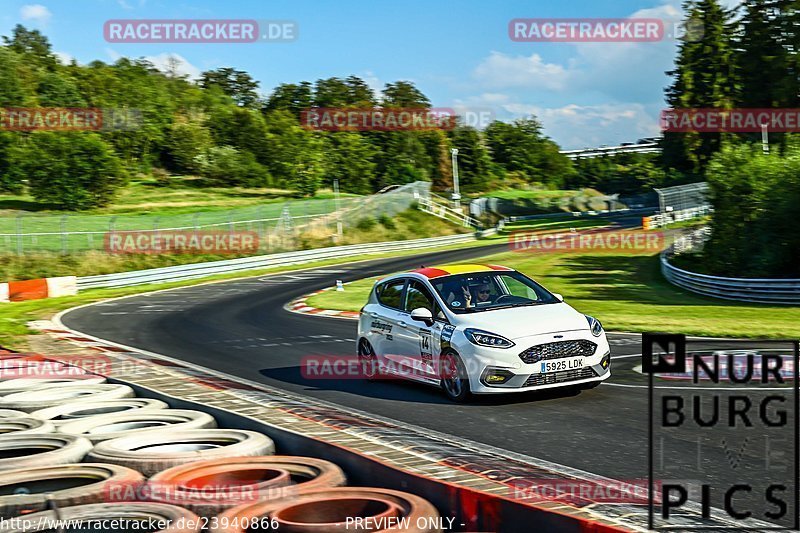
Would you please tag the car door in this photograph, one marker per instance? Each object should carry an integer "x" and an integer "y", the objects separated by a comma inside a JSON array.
[
  {"x": 385, "y": 317},
  {"x": 416, "y": 340}
]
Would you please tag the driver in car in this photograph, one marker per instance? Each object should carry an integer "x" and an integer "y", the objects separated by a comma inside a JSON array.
[{"x": 483, "y": 295}]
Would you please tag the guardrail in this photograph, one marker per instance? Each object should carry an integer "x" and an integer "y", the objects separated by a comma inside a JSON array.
[
  {"x": 199, "y": 270},
  {"x": 758, "y": 290}
]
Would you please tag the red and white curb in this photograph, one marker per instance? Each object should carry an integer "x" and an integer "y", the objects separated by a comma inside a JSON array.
[{"x": 299, "y": 305}]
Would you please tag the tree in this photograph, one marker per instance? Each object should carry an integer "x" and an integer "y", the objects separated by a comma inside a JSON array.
[
  {"x": 237, "y": 84},
  {"x": 227, "y": 166},
  {"x": 703, "y": 77},
  {"x": 473, "y": 159},
  {"x": 350, "y": 159},
  {"x": 522, "y": 147},
  {"x": 188, "y": 139},
  {"x": 67, "y": 169},
  {"x": 31, "y": 44},
  {"x": 404, "y": 94},
  {"x": 12, "y": 92},
  {"x": 290, "y": 97}
]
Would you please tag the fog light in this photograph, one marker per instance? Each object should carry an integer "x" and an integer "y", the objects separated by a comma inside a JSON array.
[
  {"x": 495, "y": 376},
  {"x": 606, "y": 361}
]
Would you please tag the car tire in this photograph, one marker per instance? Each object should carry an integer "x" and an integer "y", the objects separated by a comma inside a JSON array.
[
  {"x": 49, "y": 449},
  {"x": 454, "y": 378},
  {"x": 265, "y": 478},
  {"x": 24, "y": 425},
  {"x": 328, "y": 509},
  {"x": 72, "y": 412},
  {"x": 12, "y": 386},
  {"x": 40, "y": 484},
  {"x": 157, "y": 451},
  {"x": 34, "y": 400},
  {"x": 179, "y": 519},
  {"x": 106, "y": 427},
  {"x": 368, "y": 360}
]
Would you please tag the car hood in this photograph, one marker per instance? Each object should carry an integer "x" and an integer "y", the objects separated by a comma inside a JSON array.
[{"x": 517, "y": 322}]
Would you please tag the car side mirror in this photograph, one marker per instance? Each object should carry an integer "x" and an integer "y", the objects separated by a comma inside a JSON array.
[
  {"x": 423, "y": 315},
  {"x": 558, "y": 297}
]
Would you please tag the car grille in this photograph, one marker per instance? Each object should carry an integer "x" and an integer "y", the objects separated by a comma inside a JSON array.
[
  {"x": 557, "y": 350},
  {"x": 560, "y": 377}
]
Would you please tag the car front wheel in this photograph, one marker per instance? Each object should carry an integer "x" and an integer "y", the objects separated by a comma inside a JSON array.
[{"x": 453, "y": 375}]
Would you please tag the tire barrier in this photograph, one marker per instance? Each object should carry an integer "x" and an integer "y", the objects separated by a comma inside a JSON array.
[
  {"x": 209, "y": 487},
  {"x": 113, "y": 426},
  {"x": 41, "y": 449},
  {"x": 65, "y": 485},
  {"x": 70, "y": 412},
  {"x": 180, "y": 520},
  {"x": 24, "y": 425},
  {"x": 334, "y": 510},
  {"x": 23, "y": 384},
  {"x": 11, "y": 413},
  {"x": 153, "y": 453},
  {"x": 34, "y": 400}
]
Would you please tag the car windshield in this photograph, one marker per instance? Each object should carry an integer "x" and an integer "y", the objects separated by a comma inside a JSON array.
[{"x": 471, "y": 293}]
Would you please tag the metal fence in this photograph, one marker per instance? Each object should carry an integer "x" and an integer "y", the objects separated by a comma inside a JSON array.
[
  {"x": 275, "y": 222},
  {"x": 759, "y": 290}
]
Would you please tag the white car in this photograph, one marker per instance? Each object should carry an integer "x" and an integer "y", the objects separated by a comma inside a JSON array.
[{"x": 478, "y": 329}]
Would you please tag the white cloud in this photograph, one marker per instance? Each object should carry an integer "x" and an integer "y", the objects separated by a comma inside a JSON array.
[
  {"x": 169, "y": 62},
  {"x": 64, "y": 58},
  {"x": 575, "y": 126},
  {"x": 35, "y": 13},
  {"x": 502, "y": 71}
]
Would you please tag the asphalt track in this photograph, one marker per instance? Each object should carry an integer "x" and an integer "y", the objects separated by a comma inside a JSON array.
[{"x": 241, "y": 327}]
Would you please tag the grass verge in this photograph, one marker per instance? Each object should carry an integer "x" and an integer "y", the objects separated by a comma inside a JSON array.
[{"x": 627, "y": 293}]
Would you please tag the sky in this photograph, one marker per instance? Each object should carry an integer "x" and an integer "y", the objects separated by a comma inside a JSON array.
[{"x": 458, "y": 52}]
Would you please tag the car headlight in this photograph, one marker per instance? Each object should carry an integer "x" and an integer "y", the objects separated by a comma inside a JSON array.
[
  {"x": 594, "y": 325},
  {"x": 484, "y": 338}
]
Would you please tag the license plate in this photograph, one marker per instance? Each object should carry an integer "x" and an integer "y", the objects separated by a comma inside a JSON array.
[{"x": 559, "y": 365}]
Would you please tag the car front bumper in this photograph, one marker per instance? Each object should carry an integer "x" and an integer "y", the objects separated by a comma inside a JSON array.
[{"x": 520, "y": 376}]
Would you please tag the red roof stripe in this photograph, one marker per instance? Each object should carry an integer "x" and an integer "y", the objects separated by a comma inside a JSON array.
[
  {"x": 431, "y": 273},
  {"x": 498, "y": 267}
]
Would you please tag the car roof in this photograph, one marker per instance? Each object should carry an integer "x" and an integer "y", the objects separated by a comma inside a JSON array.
[{"x": 466, "y": 268}]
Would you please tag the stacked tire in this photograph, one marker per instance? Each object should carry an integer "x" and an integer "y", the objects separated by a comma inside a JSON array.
[{"x": 79, "y": 448}]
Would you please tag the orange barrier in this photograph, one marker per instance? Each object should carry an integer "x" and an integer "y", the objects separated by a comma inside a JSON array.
[{"x": 36, "y": 289}]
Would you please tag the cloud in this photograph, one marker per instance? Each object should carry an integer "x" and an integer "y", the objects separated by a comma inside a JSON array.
[
  {"x": 502, "y": 71},
  {"x": 64, "y": 58},
  {"x": 169, "y": 62},
  {"x": 575, "y": 126},
  {"x": 36, "y": 13}
]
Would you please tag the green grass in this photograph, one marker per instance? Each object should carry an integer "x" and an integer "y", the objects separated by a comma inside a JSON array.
[
  {"x": 536, "y": 194},
  {"x": 627, "y": 293}
]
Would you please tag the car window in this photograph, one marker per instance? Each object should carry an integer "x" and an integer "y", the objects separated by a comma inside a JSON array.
[
  {"x": 418, "y": 295},
  {"x": 390, "y": 293},
  {"x": 517, "y": 288}
]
